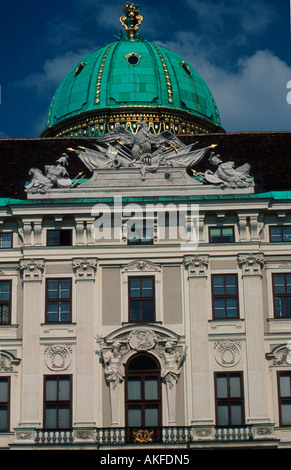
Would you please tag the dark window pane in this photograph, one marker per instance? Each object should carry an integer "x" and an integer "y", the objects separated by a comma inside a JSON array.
[
  {"x": 222, "y": 414},
  {"x": 151, "y": 416},
  {"x": 148, "y": 310},
  {"x": 234, "y": 386},
  {"x": 218, "y": 285},
  {"x": 65, "y": 289},
  {"x": 64, "y": 416},
  {"x": 219, "y": 308},
  {"x": 286, "y": 413},
  {"x": 236, "y": 414},
  {"x": 135, "y": 288},
  {"x": 221, "y": 383},
  {"x": 215, "y": 235},
  {"x": 5, "y": 240},
  {"x": 276, "y": 234},
  {"x": 4, "y": 290},
  {"x": 134, "y": 388},
  {"x": 53, "y": 311},
  {"x": 151, "y": 388},
  {"x": 230, "y": 285},
  {"x": 51, "y": 389},
  {"x": 4, "y": 390},
  {"x": 279, "y": 284},
  {"x": 227, "y": 234},
  {"x": 147, "y": 287},
  {"x": 286, "y": 234},
  {"x": 231, "y": 307},
  {"x": 51, "y": 417},
  {"x": 64, "y": 388},
  {"x": 3, "y": 418},
  {"x": 53, "y": 289},
  {"x": 134, "y": 416},
  {"x": 135, "y": 310},
  {"x": 285, "y": 386}
]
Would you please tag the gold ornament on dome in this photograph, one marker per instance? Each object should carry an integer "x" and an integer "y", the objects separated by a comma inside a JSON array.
[{"x": 131, "y": 20}]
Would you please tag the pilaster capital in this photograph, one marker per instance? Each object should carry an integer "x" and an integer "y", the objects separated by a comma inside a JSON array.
[
  {"x": 251, "y": 263},
  {"x": 196, "y": 265},
  {"x": 31, "y": 269},
  {"x": 85, "y": 268}
]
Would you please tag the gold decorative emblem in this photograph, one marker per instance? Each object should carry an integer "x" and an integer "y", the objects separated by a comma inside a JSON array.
[
  {"x": 143, "y": 436},
  {"x": 131, "y": 20}
]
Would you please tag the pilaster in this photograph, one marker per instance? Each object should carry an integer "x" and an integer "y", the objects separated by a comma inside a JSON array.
[
  {"x": 84, "y": 271},
  {"x": 196, "y": 269},
  {"x": 32, "y": 273},
  {"x": 252, "y": 266}
]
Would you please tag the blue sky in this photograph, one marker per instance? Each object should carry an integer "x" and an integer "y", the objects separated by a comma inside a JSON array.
[{"x": 240, "y": 47}]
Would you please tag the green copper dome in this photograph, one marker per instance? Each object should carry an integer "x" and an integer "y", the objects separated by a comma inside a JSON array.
[{"x": 127, "y": 81}]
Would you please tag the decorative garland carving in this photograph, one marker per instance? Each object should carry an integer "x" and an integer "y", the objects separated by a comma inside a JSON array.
[
  {"x": 58, "y": 357},
  {"x": 227, "y": 353}
]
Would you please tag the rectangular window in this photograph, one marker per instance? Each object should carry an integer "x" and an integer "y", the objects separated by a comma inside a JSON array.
[
  {"x": 140, "y": 233},
  {"x": 4, "y": 404},
  {"x": 225, "y": 296},
  {"x": 58, "y": 402},
  {"x": 221, "y": 234},
  {"x": 141, "y": 298},
  {"x": 59, "y": 237},
  {"x": 280, "y": 233},
  {"x": 58, "y": 300},
  {"x": 229, "y": 399},
  {"x": 284, "y": 392},
  {"x": 282, "y": 295},
  {"x": 5, "y": 302},
  {"x": 6, "y": 240}
]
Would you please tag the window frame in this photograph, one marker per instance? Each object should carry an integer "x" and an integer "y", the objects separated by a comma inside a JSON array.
[
  {"x": 236, "y": 296},
  {"x": 58, "y": 300},
  {"x": 281, "y": 227},
  {"x": 2, "y": 302},
  {"x": 221, "y": 235},
  {"x": 281, "y": 295},
  {"x": 57, "y": 402},
  {"x": 11, "y": 240},
  {"x": 142, "y": 227},
  {"x": 58, "y": 232},
  {"x": 153, "y": 298},
  {"x": 8, "y": 403},
  {"x": 230, "y": 400},
  {"x": 280, "y": 398},
  {"x": 143, "y": 402}
]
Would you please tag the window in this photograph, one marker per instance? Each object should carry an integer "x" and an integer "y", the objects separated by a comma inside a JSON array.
[
  {"x": 5, "y": 302},
  {"x": 58, "y": 300},
  {"x": 141, "y": 298},
  {"x": 280, "y": 233},
  {"x": 4, "y": 404},
  {"x": 143, "y": 392},
  {"x": 6, "y": 240},
  {"x": 229, "y": 399},
  {"x": 282, "y": 295},
  {"x": 221, "y": 234},
  {"x": 57, "y": 402},
  {"x": 140, "y": 234},
  {"x": 225, "y": 296},
  {"x": 59, "y": 237},
  {"x": 284, "y": 392}
]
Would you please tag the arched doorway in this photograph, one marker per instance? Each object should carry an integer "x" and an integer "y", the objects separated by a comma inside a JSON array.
[{"x": 143, "y": 398}]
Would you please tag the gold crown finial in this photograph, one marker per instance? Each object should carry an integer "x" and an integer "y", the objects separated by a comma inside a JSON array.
[{"x": 131, "y": 20}]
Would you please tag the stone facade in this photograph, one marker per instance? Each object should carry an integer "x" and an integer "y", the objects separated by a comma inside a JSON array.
[{"x": 190, "y": 345}]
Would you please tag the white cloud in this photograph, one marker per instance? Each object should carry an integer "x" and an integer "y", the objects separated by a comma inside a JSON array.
[
  {"x": 53, "y": 72},
  {"x": 252, "y": 96}
]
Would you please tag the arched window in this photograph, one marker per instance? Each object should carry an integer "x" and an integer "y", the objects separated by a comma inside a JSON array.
[{"x": 143, "y": 392}]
